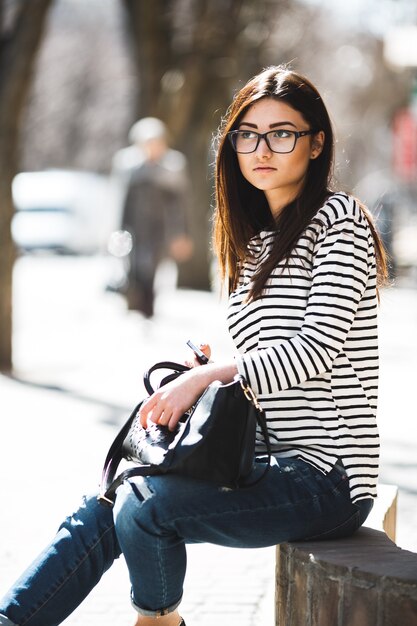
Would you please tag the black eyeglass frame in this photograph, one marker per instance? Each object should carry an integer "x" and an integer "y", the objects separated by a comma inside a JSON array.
[{"x": 296, "y": 133}]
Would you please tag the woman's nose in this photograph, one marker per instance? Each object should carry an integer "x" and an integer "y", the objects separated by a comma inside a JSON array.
[{"x": 263, "y": 150}]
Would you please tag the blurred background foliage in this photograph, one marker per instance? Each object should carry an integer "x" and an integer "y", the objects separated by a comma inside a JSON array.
[{"x": 99, "y": 65}]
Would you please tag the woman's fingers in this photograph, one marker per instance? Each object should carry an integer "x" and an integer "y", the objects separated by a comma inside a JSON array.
[
  {"x": 204, "y": 347},
  {"x": 169, "y": 403},
  {"x": 148, "y": 409},
  {"x": 158, "y": 410}
]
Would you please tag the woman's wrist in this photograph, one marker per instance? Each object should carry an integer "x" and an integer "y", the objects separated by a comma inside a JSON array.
[{"x": 206, "y": 374}]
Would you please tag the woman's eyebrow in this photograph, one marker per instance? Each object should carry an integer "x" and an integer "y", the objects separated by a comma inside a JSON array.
[{"x": 274, "y": 125}]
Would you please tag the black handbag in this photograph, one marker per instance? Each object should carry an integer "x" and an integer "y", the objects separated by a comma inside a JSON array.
[{"x": 214, "y": 440}]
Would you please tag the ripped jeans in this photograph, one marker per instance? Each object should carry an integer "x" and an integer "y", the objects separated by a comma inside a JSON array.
[{"x": 155, "y": 518}]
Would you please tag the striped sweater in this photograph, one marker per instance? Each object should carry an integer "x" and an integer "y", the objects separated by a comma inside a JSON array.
[{"x": 309, "y": 346}]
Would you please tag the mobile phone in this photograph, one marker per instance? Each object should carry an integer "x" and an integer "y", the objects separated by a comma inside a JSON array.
[{"x": 200, "y": 356}]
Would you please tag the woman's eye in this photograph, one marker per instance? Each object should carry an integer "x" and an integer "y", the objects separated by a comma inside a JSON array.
[
  {"x": 282, "y": 134},
  {"x": 247, "y": 134}
]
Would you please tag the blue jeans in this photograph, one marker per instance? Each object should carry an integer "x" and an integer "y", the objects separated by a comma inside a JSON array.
[{"x": 155, "y": 518}]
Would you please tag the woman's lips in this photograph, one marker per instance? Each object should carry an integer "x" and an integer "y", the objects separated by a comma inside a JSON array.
[{"x": 264, "y": 169}]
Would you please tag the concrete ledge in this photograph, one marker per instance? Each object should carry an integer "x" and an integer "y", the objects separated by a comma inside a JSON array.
[{"x": 364, "y": 580}]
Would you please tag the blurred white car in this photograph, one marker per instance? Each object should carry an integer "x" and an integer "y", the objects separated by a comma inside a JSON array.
[{"x": 62, "y": 210}]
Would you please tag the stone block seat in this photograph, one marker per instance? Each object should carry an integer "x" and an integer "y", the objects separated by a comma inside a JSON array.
[{"x": 363, "y": 580}]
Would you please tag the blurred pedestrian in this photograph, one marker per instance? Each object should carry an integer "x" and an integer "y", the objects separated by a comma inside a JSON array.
[
  {"x": 154, "y": 189},
  {"x": 302, "y": 263}
]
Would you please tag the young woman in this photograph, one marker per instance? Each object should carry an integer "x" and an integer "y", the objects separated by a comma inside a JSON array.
[{"x": 303, "y": 265}]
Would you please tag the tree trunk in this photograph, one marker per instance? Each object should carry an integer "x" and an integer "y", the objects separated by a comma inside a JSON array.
[
  {"x": 182, "y": 51},
  {"x": 147, "y": 26},
  {"x": 17, "y": 55}
]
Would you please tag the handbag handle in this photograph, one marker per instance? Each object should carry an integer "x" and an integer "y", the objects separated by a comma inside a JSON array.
[{"x": 178, "y": 368}]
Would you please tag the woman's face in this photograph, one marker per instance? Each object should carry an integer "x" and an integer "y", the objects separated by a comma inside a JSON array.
[{"x": 280, "y": 176}]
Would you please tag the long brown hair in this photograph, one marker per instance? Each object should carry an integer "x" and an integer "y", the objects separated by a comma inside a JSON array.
[{"x": 242, "y": 210}]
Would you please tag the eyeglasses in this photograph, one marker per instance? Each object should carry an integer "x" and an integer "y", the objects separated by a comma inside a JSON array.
[{"x": 279, "y": 140}]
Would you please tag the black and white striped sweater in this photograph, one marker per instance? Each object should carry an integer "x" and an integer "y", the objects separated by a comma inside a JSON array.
[{"x": 309, "y": 346}]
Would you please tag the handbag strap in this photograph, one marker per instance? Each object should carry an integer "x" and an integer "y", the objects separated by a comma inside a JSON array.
[
  {"x": 109, "y": 484},
  {"x": 114, "y": 458},
  {"x": 260, "y": 418},
  {"x": 178, "y": 368}
]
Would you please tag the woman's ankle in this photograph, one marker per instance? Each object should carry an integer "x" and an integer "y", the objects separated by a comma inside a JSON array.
[{"x": 172, "y": 619}]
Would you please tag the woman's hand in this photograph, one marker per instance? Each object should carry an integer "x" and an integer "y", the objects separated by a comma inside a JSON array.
[
  {"x": 204, "y": 347},
  {"x": 167, "y": 405}
]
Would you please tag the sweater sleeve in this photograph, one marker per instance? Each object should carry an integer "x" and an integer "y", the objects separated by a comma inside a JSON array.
[{"x": 342, "y": 260}]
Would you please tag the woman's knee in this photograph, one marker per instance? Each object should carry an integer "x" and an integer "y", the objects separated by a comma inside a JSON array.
[
  {"x": 90, "y": 521},
  {"x": 133, "y": 505}
]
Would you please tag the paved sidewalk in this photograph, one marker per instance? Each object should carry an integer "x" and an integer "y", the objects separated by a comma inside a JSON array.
[{"x": 78, "y": 360}]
